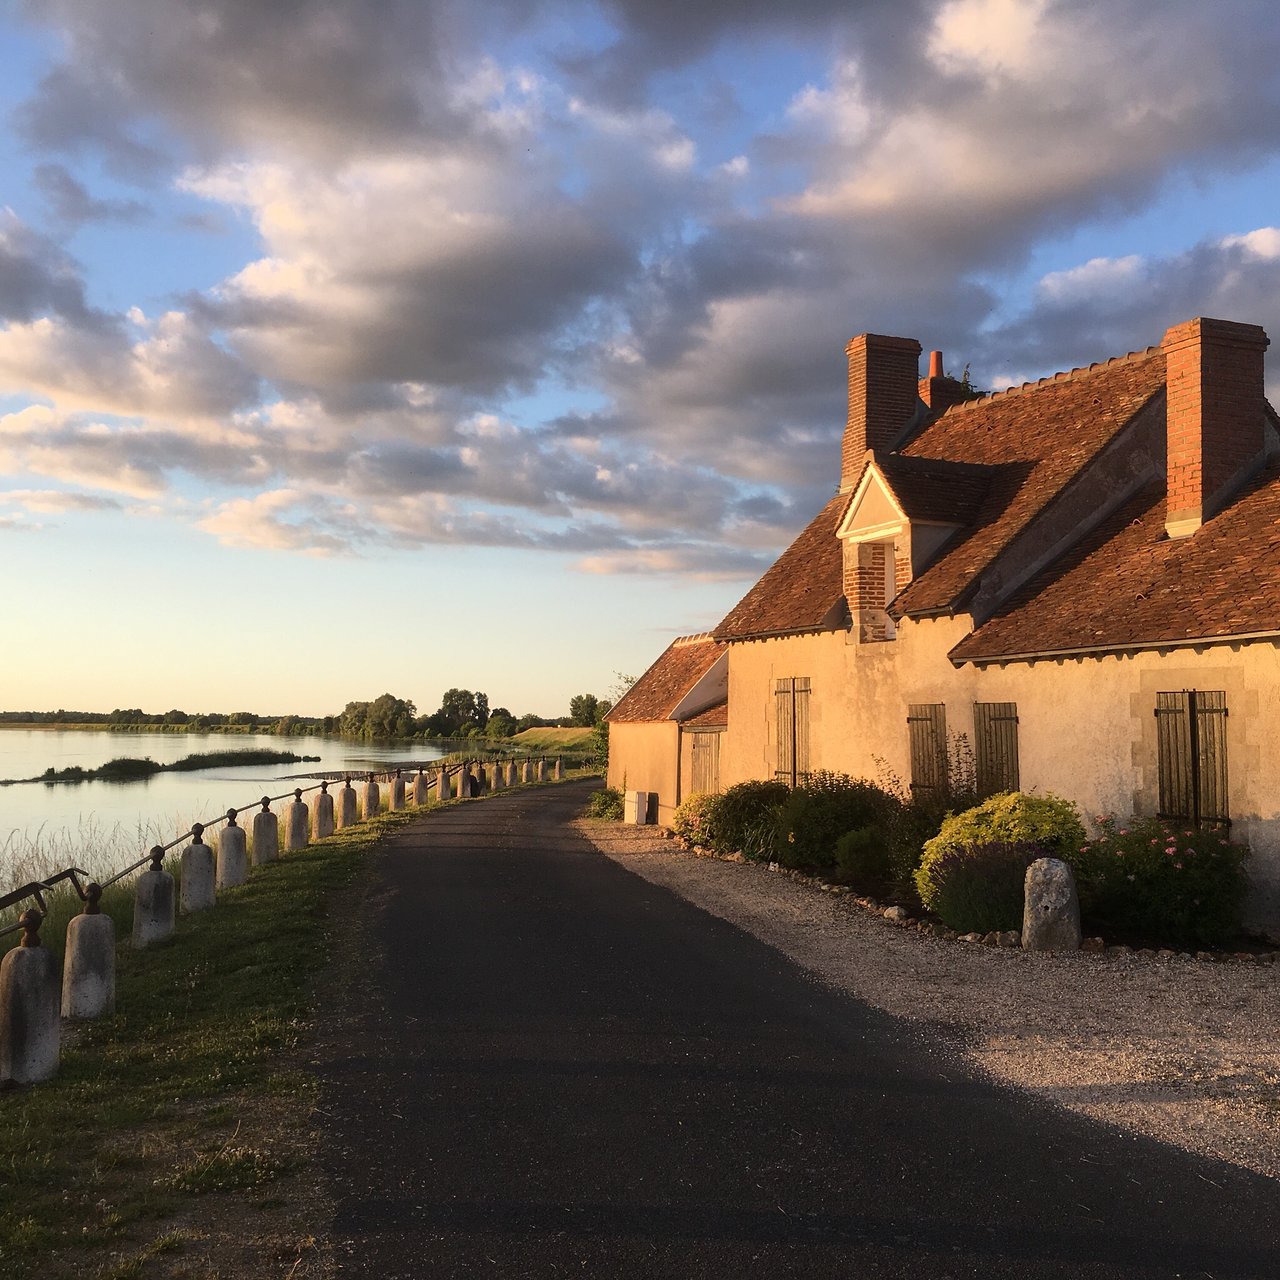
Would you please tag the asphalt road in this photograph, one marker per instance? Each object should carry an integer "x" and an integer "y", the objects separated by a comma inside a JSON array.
[{"x": 551, "y": 1067}]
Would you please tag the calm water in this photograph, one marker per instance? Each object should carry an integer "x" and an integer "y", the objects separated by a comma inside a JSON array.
[{"x": 101, "y": 825}]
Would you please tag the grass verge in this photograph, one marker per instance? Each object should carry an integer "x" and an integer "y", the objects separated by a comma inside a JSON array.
[{"x": 189, "y": 1105}]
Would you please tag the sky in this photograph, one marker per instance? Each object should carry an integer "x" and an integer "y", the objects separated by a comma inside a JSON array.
[{"x": 354, "y": 346}]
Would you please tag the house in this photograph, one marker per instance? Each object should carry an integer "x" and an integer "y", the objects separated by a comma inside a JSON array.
[{"x": 1080, "y": 576}]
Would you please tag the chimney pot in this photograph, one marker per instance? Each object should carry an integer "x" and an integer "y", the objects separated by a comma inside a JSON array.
[{"x": 935, "y": 364}]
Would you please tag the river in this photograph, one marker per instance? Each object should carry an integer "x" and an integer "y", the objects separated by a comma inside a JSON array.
[{"x": 102, "y": 825}]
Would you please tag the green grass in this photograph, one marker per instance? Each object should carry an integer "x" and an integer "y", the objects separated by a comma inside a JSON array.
[
  {"x": 552, "y": 739},
  {"x": 147, "y": 1104}
]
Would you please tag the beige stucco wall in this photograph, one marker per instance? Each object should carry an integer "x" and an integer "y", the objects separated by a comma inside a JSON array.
[
  {"x": 1086, "y": 726},
  {"x": 643, "y": 757}
]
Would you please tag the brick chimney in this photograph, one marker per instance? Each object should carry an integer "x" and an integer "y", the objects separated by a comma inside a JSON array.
[
  {"x": 1215, "y": 415},
  {"x": 883, "y": 393},
  {"x": 939, "y": 391}
]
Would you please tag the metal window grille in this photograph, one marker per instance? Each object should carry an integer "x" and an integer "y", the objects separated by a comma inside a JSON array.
[
  {"x": 995, "y": 747},
  {"x": 1191, "y": 755},
  {"x": 791, "y": 699},
  {"x": 927, "y": 733}
]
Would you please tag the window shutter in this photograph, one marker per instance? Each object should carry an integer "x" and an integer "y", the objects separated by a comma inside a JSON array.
[
  {"x": 1173, "y": 755},
  {"x": 995, "y": 747},
  {"x": 785, "y": 700},
  {"x": 1209, "y": 726},
  {"x": 927, "y": 734},
  {"x": 802, "y": 729}
]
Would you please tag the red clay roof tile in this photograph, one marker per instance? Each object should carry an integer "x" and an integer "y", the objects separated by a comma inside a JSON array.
[{"x": 658, "y": 692}]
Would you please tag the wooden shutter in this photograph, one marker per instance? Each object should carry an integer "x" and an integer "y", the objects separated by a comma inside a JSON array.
[
  {"x": 995, "y": 747},
  {"x": 1209, "y": 735},
  {"x": 791, "y": 697},
  {"x": 801, "y": 750},
  {"x": 927, "y": 733},
  {"x": 784, "y": 696},
  {"x": 1173, "y": 755}
]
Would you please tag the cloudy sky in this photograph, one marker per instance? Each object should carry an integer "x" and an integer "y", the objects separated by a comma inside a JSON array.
[{"x": 363, "y": 345}]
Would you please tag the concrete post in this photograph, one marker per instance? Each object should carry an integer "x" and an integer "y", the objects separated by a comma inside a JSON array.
[
  {"x": 322, "y": 812},
  {"x": 442, "y": 785},
  {"x": 153, "y": 903},
  {"x": 89, "y": 963},
  {"x": 559, "y": 770},
  {"x": 297, "y": 822},
  {"x": 347, "y": 816},
  {"x": 397, "y": 792},
  {"x": 266, "y": 835},
  {"x": 421, "y": 788},
  {"x": 540, "y": 774},
  {"x": 198, "y": 875},
  {"x": 30, "y": 1029},
  {"x": 513, "y": 773},
  {"x": 371, "y": 800},
  {"x": 526, "y": 771},
  {"x": 233, "y": 854}
]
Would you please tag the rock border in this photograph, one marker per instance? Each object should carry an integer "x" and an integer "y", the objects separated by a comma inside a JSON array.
[{"x": 901, "y": 918}]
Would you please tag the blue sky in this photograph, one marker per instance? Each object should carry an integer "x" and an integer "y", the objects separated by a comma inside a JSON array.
[{"x": 373, "y": 345}]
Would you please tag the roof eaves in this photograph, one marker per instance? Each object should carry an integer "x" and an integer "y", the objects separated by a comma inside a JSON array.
[{"x": 1082, "y": 651}]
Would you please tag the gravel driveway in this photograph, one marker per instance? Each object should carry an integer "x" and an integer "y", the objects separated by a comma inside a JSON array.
[{"x": 1182, "y": 1051}]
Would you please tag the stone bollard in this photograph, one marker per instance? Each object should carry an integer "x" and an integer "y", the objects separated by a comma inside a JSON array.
[
  {"x": 153, "y": 903},
  {"x": 513, "y": 773},
  {"x": 421, "y": 788},
  {"x": 442, "y": 786},
  {"x": 322, "y": 812},
  {"x": 1051, "y": 909},
  {"x": 30, "y": 1029},
  {"x": 397, "y": 792},
  {"x": 198, "y": 874},
  {"x": 347, "y": 816},
  {"x": 266, "y": 834},
  {"x": 233, "y": 854},
  {"x": 526, "y": 771},
  {"x": 297, "y": 822},
  {"x": 89, "y": 962},
  {"x": 559, "y": 770},
  {"x": 371, "y": 801},
  {"x": 540, "y": 771}
]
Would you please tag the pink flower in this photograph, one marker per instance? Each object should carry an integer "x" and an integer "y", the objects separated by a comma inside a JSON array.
[
  {"x": 1156, "y": 841},
  {"x": 1124, "y": 831},
  {"x": 1178, "y": 865}
]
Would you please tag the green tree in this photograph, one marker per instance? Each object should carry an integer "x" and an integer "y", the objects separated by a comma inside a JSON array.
[{"x": 584, "y": 709}]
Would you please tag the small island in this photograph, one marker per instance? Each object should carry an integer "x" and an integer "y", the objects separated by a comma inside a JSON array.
[{"x": 132, "y": 769}]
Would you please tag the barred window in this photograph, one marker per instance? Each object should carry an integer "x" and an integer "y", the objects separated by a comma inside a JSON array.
[
  {"x": 1191, "y": 755},
  {"x": 791, "y": 700},
  {"x": 927, "y": 733},
  {"x": 995, "y": 747}
]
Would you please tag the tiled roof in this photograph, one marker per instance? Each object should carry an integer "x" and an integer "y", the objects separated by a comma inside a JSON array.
[
  {"x": 658, "y": 692},
  {"x": 1128, "y": 585},
  {"x": 1037, "y": 438},
  {"x": 936, "y": 488},
  {"x": 801, "y": 589},
  {"x": 714, "y": 717}
]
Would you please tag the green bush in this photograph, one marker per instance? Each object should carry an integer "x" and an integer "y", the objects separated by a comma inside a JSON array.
[
  {"x": 1153, "y": 881},
  {"x": 760, "y": 839},
  {"x": 695, "y": 819},
  {"x": 978, "y": 888},
  {"x": 864, "y": 861},
  {"x": 742, "y": 812},
  {"x": 606, "y": 803},
  {"x": 818, "y": 812},
  {"x": 1014, "y": 817}
]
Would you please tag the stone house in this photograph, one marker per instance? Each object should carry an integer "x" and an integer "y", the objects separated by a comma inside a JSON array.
[{"x": 1080, "y": 575}]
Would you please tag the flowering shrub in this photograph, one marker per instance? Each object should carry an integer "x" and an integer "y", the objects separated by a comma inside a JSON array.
[
  {"x": 1159, "y": 881},
  {"x": 822, "y": 809},
  {"x": 977, "y": 888},
  {"x": 695, "y": 819}
]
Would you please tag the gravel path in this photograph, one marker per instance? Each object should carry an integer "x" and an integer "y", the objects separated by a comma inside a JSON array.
[{"x": 1185, "y": 1052}]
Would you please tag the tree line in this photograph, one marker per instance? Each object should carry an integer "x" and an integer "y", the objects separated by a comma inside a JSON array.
[{"x": 462, "y": 713}]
